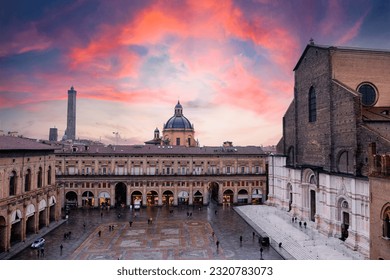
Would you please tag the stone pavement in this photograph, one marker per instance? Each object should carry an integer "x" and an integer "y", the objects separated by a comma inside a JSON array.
[
  {"x": 298, "y": 242},
  {"x": 172, "y": 235}
]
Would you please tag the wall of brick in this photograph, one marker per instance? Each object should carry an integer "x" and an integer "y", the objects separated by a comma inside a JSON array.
[
  {"x": 380, "y": 196},
  {"x": 357, "y": 66}
]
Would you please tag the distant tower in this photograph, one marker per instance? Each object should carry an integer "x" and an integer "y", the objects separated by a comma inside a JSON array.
[
  {"x": 70, "y": 133},
  {"x": 53, "y": 134}
]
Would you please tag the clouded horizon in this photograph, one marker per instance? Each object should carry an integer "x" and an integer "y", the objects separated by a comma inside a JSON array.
[{"x": 228, "y": 62}]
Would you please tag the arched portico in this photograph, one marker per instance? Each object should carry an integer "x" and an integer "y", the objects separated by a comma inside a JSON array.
[
  {"x": 120, "y": 194},
  {"x": 88, "y": 199},
  {"x": 167, "y": 198},
  {"x": 242, "y": 197},
  {"x": 183, "y": 198},
  {"x": 228, "y": 196}
]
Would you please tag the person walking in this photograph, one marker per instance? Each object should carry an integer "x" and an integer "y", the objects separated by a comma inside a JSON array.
[{"x": 61, "y": 247}]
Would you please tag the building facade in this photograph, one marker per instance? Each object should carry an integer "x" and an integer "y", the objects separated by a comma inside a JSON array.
[
  {"x": 100, "y": 176},
  {"x": 379, "y": 176},
  {"x": 341, "y": 104},
  {"x": 29, "y": 198}
]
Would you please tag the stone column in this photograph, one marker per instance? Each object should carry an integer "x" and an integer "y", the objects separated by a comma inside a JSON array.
[
  {"x": 159, "y": 195},
  {"x": 191, "y": 195}
]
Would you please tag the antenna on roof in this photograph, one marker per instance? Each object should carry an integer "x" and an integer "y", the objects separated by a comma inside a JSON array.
[{"x": 311, "y": 41}]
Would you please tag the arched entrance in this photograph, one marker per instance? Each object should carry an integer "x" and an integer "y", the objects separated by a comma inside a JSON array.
[
  {"x": 136, "y": 197},
  {"x": 214, "y": 191},
  {"x": 16, "y": 226},
  {"x": 257, "y": 196},
  {"x": 242, "y": 197},
  {"x": 87, "y": 199},
  {"x": 42, "y": 208},
  {"x": 52, "y": 208},
  {"x": 71, "y": 200},
  {"x": 167, "y": 198},
  {"x": 312, "y": 205},
  {"x": 183, "y": 198},
  {"x": 228, "y": 196},
  {"x": 198, "y": 198},
  {"x": 120, "y": 195},
  {"x": 152, "y": 198},
  {"x": 30, "y": 218},
  {"x": 104, "y": 199},
  {"x": 344, "y": 218},
  {"x": 2, "y": 234}
]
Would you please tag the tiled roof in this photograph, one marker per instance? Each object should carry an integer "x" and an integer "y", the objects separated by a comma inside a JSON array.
[
  {"x": 161, "y": 150},
  {"x": 11, "y": 143}
]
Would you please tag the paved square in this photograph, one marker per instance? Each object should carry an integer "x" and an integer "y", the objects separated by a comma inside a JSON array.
[{"x": 170, "y": 240}]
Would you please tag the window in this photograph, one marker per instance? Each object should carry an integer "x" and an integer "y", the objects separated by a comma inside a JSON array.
[
  {"x": 49, "y": 175},
  {"x": 12, "y": 183},
  {"x": 40, "y": 177},
  {"x": 177, "y": 141},
  {"x": 27, "y": 181},
  {"x": 189, "y": 141},
  {"x": 312, "y": 105},
  {"x": 368, "y": 94},
  {"x": 386, "y": 223}
]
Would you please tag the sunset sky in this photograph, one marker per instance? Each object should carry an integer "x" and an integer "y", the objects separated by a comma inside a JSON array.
[{"x": 230, "y": 63}]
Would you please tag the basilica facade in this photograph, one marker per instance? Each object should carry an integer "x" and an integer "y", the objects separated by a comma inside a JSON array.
[{"x": 320, "y": 175}]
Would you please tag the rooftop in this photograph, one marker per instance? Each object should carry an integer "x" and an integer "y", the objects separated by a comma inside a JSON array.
[{"x": 12, "y": 143}]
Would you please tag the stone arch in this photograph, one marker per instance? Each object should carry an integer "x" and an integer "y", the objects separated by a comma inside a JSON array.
[
  {"x": 198, "y": 198},
  {"x": 214, "y": 191},
  {"x": 257, "y": 196},
  {"x": 183, "y": 197},
  {"x": 71, "y": 199},
  {"x": 309, "y": 177},
  {"x": 343, "y": 216},
  {"x": 120, "y": 194},
  {"x": 16, "y": 226},
  {"x": 30, "y": 219},
  {"x": 167, "y": 197},
  {"x": 87, "y": 199},
  {"x": 3, "y": 234},
  {"x": 242, "y": 196},
  {"x": 228, "y": 195},
  {"x": 152, "y": 197},
  {"x": 345, "y": 161},
  {"x": 104, "y": 199},
  {"x": 385, "y": 217}
]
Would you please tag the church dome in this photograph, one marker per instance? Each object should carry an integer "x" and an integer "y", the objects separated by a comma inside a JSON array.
[{"x": 178, "y": 121}]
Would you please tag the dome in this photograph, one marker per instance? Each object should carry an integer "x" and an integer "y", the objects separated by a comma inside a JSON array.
[{"x": 178, "y": 120}]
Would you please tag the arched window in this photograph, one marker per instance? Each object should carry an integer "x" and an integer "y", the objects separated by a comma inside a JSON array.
[
  {"x": 27, "y": 181},
  {"x": 12, "y": 183},
  {"x": 49, "y": 175},
  {"x": 386, "y": 223},
  {"x": 40, "y": 177},
  {"x": 312, "y": 105},
  {"x": 290, "y": 156},
  {"x": 344, "y": 162}
]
